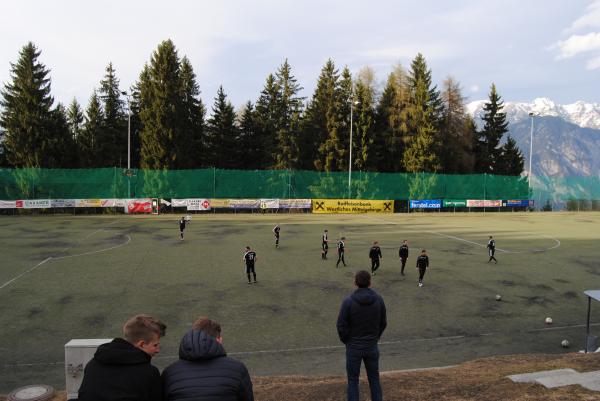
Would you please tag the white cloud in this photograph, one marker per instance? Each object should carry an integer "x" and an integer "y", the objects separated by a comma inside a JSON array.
[
  {"x": 474, "y": 88},
  {"x": 577, "y": 44},
  {"x": 590, "y": 19},
  {"x": 593, "y": 64}
]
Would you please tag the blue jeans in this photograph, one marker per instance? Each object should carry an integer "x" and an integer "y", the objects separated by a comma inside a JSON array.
[{"x": 354, "y": 357}]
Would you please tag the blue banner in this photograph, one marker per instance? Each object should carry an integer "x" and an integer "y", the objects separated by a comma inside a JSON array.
[
  {"x": 426, "y": 204},
  {"x": 518, "y": 203}
]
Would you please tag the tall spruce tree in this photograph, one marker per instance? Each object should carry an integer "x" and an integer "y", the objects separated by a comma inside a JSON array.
[
  {"x": 87, "y": 141},
  {"x": 193, "y": 122},
  {"x": 112, "y": 139},
  {"x": 268, "y": 117},
  {"x": 511, "y": 159},
  {"x": 290, "y": 115},
  {"x": 162, "y": 113},
  {"x": 487, "y": 149},
  {"x": 456, "y": 133},
  {"x": 366, "y": 157},
  {"x": 424, "y": 110},
  {"x": 248, "y": 139},
  {"x": 221, "y": 143},
  {"x": 75, "y": 119},
  {"x": 30, "y": 126}
]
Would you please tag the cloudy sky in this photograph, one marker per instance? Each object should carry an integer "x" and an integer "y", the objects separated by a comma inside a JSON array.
[{"x": 528, "y": 48}]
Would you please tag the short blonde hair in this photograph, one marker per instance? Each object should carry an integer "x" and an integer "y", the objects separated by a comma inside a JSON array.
[
  {"x": 143, "y": 327},
  {"x": 210, "y": 327}
]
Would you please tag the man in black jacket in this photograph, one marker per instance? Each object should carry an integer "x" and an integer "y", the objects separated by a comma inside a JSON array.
[
  {"x": 403, "y": 254},
  {"x": 121, "y": 369},
  {"x": 204, "y": 372},
  {"x": 361, "y": 322}
]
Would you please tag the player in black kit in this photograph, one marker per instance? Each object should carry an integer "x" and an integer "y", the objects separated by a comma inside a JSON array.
[
  {"x": 324, "y": 245},
  {"x": 341, "y": 249},
  {"x": 403, "y": 253},
  {"x": 250, "y": 258},
  {"x": 375, "y": 255},
  {"x": 491, "y": 246},
  {"x": 276, "y": 230},
  {"x": 422, "y": 265},
  {"x": 181, "y": 227}
]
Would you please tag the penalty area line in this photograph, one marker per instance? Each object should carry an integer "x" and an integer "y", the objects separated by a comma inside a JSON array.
[{"x": 25, "y": 272}]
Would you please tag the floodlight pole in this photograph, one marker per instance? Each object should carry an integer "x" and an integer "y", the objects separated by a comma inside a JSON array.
[
  {"x": 531, "y": 115},
  {"x": 128, "y": 144},
  {"x": 352, "y": 103}
]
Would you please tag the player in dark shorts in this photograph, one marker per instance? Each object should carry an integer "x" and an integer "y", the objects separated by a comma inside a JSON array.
[
  {"x": 181, "y": 227},
  {"x": 249, "y": 258},
  {"x": 324, "y": 245},
  {"x": 375, "y": 255},
  {"x": 276, "y": 230},
  {"x": 491, "y": 246},
  {"x": 341, "y": 247},
  {"x": 422, "y": 265},
  {"x": 403, "y": 253}
]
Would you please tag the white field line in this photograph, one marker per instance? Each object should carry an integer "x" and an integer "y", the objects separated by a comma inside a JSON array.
[
  {"x": 498, "y": 249},
  {"x": 98, "y": 251},
  {"x": 70, "y": 256},
  {"x": 331, "y": 347}
]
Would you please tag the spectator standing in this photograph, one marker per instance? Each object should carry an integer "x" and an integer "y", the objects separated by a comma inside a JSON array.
[{"x": 361, "y": 322}]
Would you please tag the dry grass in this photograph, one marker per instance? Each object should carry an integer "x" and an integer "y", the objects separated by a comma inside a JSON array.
[{"x": 481, "y": 380}]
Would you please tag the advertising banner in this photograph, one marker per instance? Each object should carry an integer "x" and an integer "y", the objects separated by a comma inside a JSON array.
[
  {"x": 295, "y": 203},
  {"x": 483, "y": 203},
  {"x": 8, "y": 204},
  {"x": 244, "y": 203},
  {"x": 62, "y": 202},
  {"x": 455, "y": 203},
  {"x": 139, "y": 206},
  {"x": 198, "y": 204},
  {"x": 33, "y": 203},
  {"x": 88, "y": 203},
  {"x": 219, "y": 203},
  {"x": 426, "y": 204},
  {"x": 269, "y": 203},
  {"x": 518, "y": 203},
  {"x": 352, "y": 206},
  {"x": 179, "y": 202}
]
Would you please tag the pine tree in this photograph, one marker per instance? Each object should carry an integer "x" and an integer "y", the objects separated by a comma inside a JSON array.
[
  {"x": 422, "y": 152},
  {"x": 248, "y": 139},
  {"x": 75, "y": 119},
  {"x": 487, "y": 149},
  {"x": 268, "y": 119},
  {"x": 222, "y": 134},
  {"x": 290, "y": 115},
  {"x": 161, "y": 111},
  {"x": 364, "y": 117},
  {"x": 27, "y": 119},
  {"x": 456, "y": 132},
  {"x": 87, "y": 141},
  {"x": 511, "y": 159},
  {"x": 193, "y": 122},
  {"x": 112, "y": 139}
]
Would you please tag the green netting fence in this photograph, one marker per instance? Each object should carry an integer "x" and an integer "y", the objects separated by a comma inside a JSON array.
[{"x": 219, "y": 183}]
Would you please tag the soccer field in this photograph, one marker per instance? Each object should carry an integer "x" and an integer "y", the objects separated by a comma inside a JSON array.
[{"x": 65, "y": 277}]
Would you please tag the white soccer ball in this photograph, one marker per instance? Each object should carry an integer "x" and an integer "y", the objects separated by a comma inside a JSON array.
[
  {"x": 565, "y": 343},
  {"x": 548, "y": 320},
  {"x": 498, "y": 297}
]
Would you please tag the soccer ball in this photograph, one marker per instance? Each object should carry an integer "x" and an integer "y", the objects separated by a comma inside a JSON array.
[
  {"x": 498, "y": 297},
  {"x": 548, "y": 320},
  {"x": 565, "y": 343}
]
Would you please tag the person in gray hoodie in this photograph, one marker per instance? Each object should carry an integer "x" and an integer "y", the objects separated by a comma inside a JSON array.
[
  {"x": 361, "y": 322},
  {"x": 204, "y": 372}
]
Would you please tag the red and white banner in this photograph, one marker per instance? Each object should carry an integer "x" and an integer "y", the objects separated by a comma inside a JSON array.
[
  {"x": 484, "y": 203},
  {"x": 33, "y": 204},
  {"x": 8, "y": 204},
  {"x": 139, "y": 206}
]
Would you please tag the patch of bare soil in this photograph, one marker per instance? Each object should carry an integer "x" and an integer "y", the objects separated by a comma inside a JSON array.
[{"x": 479, "y": 380}]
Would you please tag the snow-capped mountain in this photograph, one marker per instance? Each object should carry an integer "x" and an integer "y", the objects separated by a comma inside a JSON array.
[{"x": 586, "y": 115}]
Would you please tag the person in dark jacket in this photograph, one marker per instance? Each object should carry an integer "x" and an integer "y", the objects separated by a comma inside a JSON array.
[
  {"x": 361, "y": 322},
  {"x": 422, "y": 265},
  {"x": 121, "y": 369},
  {"x": 204, "y": 372},
  {"x": 403, "y": 254},
  {"x": 375, "y": 256}
]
